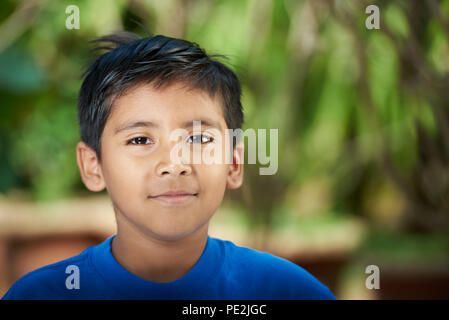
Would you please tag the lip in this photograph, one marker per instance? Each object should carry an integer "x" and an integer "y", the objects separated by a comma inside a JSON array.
[{"x": 175, "y": 197}]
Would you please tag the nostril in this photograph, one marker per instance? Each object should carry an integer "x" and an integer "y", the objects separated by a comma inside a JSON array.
[
  {"x": 173, "y": 169},
  {"x": 166, "y": 173}
]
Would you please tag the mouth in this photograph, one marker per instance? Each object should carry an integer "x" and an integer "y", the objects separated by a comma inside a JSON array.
[{"x": 175, "y": 197}]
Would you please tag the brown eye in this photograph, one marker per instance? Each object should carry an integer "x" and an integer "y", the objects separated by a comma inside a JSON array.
[
  {"x": 140, "y": 141},
  {"x": 200, "y": 138}
]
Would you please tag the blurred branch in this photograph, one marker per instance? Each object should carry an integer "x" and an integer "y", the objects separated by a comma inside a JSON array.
[
  {"x": 18, "y": 22},
  {"x": 433, "y": 6},
  {"x": 427, "y": 208},
  {"x": 349, "y": 22},
  {"x": 426, "y": 195}
]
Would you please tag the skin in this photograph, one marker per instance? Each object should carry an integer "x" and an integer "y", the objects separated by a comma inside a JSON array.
[{"x": 155, "y": 240}]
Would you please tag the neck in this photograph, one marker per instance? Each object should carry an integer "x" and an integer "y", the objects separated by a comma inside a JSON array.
[{"x": 153, "y": 258}]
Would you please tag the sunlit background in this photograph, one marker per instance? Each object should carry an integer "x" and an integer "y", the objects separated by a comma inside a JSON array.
[{"x": 363, "y": 119}]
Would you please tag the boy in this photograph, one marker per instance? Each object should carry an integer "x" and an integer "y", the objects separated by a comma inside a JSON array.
[{"x": 131, "y": 101}]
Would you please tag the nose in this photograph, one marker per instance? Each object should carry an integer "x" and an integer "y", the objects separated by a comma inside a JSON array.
[
  {"x": 170, "y": 167},
  {"x": 173, "y": 169}
]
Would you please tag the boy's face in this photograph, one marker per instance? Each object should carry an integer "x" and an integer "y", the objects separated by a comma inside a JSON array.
[{"x": 137, "y": 168}]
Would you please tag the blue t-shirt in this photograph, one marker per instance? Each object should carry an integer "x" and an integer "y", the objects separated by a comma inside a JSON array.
[{"x": 224, "y": 271}]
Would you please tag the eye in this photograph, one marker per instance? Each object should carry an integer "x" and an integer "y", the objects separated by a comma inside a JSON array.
[
  {"x": 140, "y": 141},
  {"x": 200, "y": 138}
]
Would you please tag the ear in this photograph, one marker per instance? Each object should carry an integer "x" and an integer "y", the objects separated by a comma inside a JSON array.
[
  {"x": 235, "y": 171},
  {"x": 90, "y": 167}
]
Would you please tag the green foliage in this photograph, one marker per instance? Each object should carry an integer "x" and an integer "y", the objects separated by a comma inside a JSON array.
[
  {"x": 409, "y": 248},
  {"x": 19, "y": 73},
  {"x": 44, "y": 151}
]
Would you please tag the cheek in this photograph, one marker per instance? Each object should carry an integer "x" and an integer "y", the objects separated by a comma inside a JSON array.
[
  {"x": 213, "y": 180},
  {"x": 123, "y": 175}
]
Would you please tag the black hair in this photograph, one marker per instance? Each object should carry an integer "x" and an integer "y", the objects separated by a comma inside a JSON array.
[{"x": 131, "y": 60}]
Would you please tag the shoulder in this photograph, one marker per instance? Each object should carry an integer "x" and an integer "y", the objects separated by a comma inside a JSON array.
[
  {"x": 48, "y": 282},
  {"x": 286, "y": 279}
]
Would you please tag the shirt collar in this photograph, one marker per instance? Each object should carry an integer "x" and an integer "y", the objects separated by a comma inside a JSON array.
[{"x": 135, "y": 287}]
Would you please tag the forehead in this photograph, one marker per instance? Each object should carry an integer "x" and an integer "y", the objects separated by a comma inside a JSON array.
[{"x": 170, "y": 106}]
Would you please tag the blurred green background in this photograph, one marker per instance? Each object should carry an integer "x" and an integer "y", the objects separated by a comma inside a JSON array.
[{"x": 363, "y": 117}]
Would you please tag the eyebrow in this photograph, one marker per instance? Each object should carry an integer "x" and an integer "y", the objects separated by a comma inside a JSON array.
[
  {"x": 150, "y": 124},
  {"x": 136, "y": 124},
  {"x": 204, "y": 122}
]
